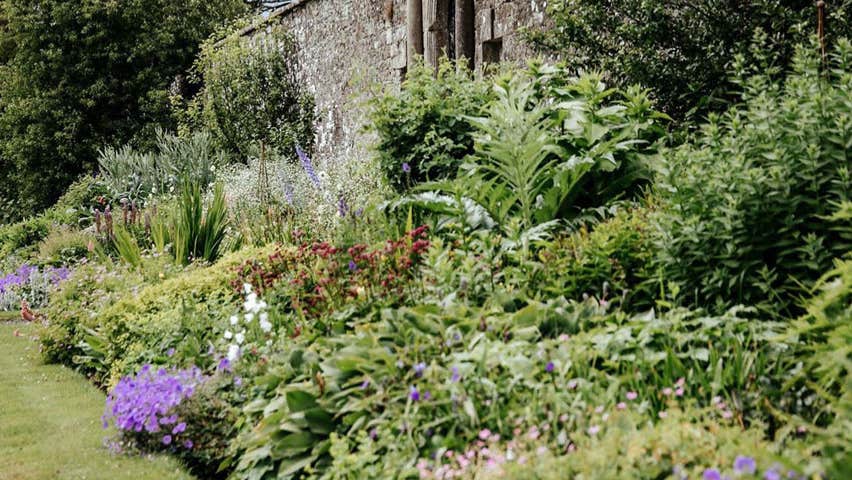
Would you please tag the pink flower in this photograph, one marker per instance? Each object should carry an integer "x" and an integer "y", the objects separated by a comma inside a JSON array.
[
  {"x": 727, "y": 414},
  {"x": 564, "y": 337},
  {"x": 621, "y": 405},
  {"x": 632, "y": 395},
  {"x": 679, "y": 391},
  {"x": 663, "y": 414},
  {"x": 593, "y": 430},
  {"x": 572, "y": 384},
  {"x": 667, "y": 391},
  {"x": 681, "y": 382},
  {"x": 484, "y": 434},
  {"x": 599, "y": 409}
]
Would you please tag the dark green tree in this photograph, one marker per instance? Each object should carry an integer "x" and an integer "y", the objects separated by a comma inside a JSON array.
[
  {"x": 682, "y": 49},
  {"x": 82, "y": 74}
]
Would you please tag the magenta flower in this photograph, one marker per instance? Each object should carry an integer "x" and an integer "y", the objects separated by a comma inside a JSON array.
[{"x": 632, "y": 395}]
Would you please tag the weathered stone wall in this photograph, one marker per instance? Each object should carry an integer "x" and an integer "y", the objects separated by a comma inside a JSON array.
[{"x": 347, "y": 46}]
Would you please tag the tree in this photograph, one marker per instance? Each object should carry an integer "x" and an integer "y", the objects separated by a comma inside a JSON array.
[
  {"x": 83, "y": 74},
  {"x": 682, "y": 49}
]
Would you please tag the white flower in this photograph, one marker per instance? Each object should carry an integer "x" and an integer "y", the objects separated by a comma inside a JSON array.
[
  {"x": 247, "y": 288},
  {"x": 240, "y": 338},
  {"x": 264, "y": 317},
  {"x": 233, "y": 352},
  {"x": 228, "y": 335},
  {"x": 234, "y": 319},
  {"x": 265, "y": 326},
  {"x": 249, "y": 317}
]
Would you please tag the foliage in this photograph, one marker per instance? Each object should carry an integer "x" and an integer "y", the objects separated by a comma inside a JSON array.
[
  {"x": 611, "y": 261},
  {"x": 318, "y": 279},
  {"x": 81, "y": 75},
  {"x": 423, "y": 130},
  {"x": 688, "y": 443},
  {"x": 682, "y": 50},
  {"x": 196, "y": 232},
  {"x": 252, "y": 94},
  {"x": 744, "y": 206},
  {"x": 551, "y": 145},
  {"x": 64, "y": 246},
  {"x": 29, "y": 284},
  {"x": 138, "y": 175}
]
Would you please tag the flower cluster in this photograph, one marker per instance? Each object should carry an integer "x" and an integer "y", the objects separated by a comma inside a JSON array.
[
  {"x": 745, "y": 466},
  {"x": 145, "y": 403},
  {"x": 30, "y": 284},
  {"x": 320, "y": 277},
  {"x": 241, "y": 325}
]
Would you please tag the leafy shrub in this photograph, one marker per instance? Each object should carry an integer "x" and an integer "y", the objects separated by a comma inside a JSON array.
[
  {"x": 611, "y": 262},
  {"x": 252, "y": 94},
  {"x": 58, "y": 110},
  {"x": 682, "y": 50},
  {"x": 688, "y": 443},
  {"x": 424, "y": 130},
  {"x": 424, "y": 380},
  {"x": 318, "y": 279},
  {"x": 64, "y": 245},
  {"x": 137, "y": 175},
  {"x": 550, "y": 145},
  {"x": 745, "y": 205}
]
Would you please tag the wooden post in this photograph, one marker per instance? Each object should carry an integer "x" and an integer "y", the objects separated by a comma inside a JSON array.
[
  {"x": 435, "y": 30},
  {"x": 414, "y": 19},
  {"x": 465, "y": 32}
]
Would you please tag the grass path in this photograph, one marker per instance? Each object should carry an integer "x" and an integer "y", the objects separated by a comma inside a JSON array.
[{"x": 50, "y": 422}]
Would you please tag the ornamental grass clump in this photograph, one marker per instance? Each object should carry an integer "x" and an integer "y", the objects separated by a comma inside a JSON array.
[{"x": 142, "y": 406}]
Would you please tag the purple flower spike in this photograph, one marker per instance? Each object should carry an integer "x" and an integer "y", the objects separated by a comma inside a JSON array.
[
  {"x": 744, "y": 465},
  {"x": 308, "y": 166}
]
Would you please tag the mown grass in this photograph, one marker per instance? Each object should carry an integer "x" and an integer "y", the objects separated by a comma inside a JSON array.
[{"x": 50, "y": 421}]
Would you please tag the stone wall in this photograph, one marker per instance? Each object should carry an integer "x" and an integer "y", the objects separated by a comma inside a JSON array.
[{"x": 348, "y": 46}]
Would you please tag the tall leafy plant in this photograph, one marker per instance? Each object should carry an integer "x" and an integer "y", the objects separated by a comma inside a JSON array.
[
  {"x": 196, "y": 233},
  {"x": 550, "y": 145},
  {"x": 746, "y": 206}
]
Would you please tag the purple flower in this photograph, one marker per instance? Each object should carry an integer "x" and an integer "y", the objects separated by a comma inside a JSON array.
[
  {"x": 711, "y": 474},
  {"x": 238, "y": 381},
  {"x": 224, "y": 365},
  {"x": 188, "y": 444},
  {"x": 374, "y": 434},
  {"x": 549, "y": 367},
  {"x": 167, "y": 440},
  {"x": 427, "y": 395},
  {"x": 342, "y": 206},
  {"x": 418, "y": 369},
  {"x": 406, "y": 167},
  {"x": 744, "y": 465},
  {"x": 170, "y": 352},
  {"x": 308, "y": 166},
  {"x": 179, "y": 428},
  {"x": 772, "y": 474},
  {"x": 455, "y": 377},
  {"x": 353, "y": 267},
  {"x": 365, "y": 385},
  {"x": 414, "y": 394}
]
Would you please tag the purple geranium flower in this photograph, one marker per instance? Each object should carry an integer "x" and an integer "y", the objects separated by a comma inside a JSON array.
[
  {"x": 406, "y": 167},
  {"x": 744, "y": 465},
  {"x": 549, "y": 367},
  {"x": 711, "y": 474}
]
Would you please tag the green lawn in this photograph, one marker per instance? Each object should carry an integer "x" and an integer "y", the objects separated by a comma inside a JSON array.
[{"x": 50, "y": 422}]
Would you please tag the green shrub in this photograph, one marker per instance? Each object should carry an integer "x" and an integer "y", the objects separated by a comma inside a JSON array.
[
  {"x": 745, "y": 205},
  {"x": 138, "y": 175},
  {"x": 611, "y": 262},
  {"x": 681, "y": 50},
  {"x": 425, "y": 124},
  {"x": 253, "y": 95},
  {"x": 64, "y": 246},
  {"x": 550, "y": 145}
]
